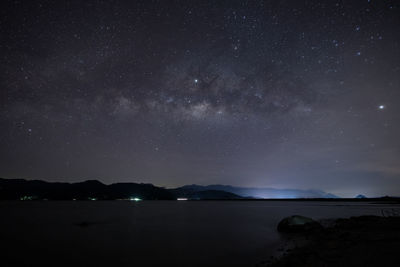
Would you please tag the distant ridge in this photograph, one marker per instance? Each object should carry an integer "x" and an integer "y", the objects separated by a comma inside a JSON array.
[
  {"x": 360, "y": 196},
  {"x": 20, "y": 189},
  {"x": 247, "y": 192},
  {"x": 15, "y": 189},
  {"x": 204, "y": 194}
]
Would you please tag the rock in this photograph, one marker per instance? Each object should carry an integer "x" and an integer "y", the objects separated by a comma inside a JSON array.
[{"x": 297, "y": 223}]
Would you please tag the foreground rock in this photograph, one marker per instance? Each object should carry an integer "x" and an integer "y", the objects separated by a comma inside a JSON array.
[
  {"x": 358, "y": 241},
  {"x": 297, "y": 224}
]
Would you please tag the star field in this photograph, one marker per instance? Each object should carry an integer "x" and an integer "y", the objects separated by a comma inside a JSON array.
[{"x": 252, "y": 93}]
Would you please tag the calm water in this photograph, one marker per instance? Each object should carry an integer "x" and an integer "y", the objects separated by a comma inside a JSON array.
[{"x": 163, "y": 233}]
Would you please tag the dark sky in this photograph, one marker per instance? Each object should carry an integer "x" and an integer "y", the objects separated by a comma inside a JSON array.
[{"x": 286, "y": 94}]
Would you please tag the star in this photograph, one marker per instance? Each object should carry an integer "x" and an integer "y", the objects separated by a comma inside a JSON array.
[{"x": 192, "y": 83}]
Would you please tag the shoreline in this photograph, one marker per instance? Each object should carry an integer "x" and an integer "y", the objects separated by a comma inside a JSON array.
[
  {"x": 355, "y": 241},
  {"x": 383, "y": 200}
]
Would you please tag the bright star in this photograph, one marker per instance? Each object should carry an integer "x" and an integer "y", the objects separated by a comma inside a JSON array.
[
  {"x": 381, "y": 107},
  {"x": 196, "y": 81}
]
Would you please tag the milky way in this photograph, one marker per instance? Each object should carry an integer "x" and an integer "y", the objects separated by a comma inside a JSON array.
[{"x": 253, "y": 93}]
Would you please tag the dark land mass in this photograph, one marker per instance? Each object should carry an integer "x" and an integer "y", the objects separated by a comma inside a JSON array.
[
  {"x": 251, "y": 192},
  {"x": 377, "y": 200},
  {"x": 357, "y": 241},
  {"x": 15, "y": 189},
  {"x": 205, "y": 194},
  {"x": 20, "y": 189}
]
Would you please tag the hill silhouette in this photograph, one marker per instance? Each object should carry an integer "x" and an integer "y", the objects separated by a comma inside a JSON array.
[
  {"x": 249, "y": 192},
  {"x": 14, "y": 189},
  {"x": 21, "y": 189}
]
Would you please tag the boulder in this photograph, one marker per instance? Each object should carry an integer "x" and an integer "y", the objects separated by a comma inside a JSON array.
[{"x": 297, "y": 223}]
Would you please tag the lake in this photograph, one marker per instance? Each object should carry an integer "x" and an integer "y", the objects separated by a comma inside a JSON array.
[{"x": 153, "y": 233}]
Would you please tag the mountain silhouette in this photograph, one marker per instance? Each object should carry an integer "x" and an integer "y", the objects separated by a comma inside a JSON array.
[
  {"x": 249, "y": 192},
  {"x": 14, "y": 189}
]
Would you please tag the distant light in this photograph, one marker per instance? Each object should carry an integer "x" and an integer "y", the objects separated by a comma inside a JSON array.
[
  {"x": 135, "y": 199},
  {"x": 26, "y": 198},
  {"x": 196, "y": 81},
  {"x": 381, "y": 107},
  {"x": 181, "y": 198},
  {"x": 92, "y": 198}
]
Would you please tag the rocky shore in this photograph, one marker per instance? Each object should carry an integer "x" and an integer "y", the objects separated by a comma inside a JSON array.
[{"x": 357, "y": 241}]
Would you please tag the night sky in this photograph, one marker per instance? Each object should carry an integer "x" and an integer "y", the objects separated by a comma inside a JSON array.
[{"x": 285, "y": 94}]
